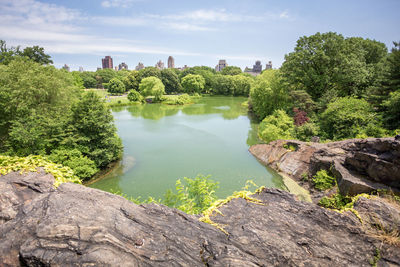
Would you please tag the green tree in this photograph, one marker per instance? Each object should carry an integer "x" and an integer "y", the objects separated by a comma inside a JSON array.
[
  {"x": 193, "y": 83},
  {"x": 89, "y": 79},
  {"x": 135, "y": 96},
  {"x": 231, "y": 70},
  {"x": 116, "y": 87},
  {"x": 171, "y": 81},
  {"x": 7, "y": 54},
  {"x": 392, "y": 111},
  {"x": 132, "y": 80},
  {"x": 349, "y": 117},
  {"x": 241, "y": 85},
  {"x": 37, "y": 54},
  {"x": 222, "y": 85},
  {"x": 276, "y": 126},
  {"x": 152, "y": 86},
  {"x": 104, "y": 76},
  {"x": 268, "y": 93},
  {"x": 92, "y": 131},
  {"x": 207, "y": 73},
  {"x": 78, "y": 82},
  {"x": 328, "y": 61},
  {"x": 30, "y": 90},
  {"x": 149, "y": 72}
]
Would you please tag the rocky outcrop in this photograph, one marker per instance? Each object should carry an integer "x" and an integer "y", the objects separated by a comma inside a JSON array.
[
  {"x": 359, "y": 165},
  {"x": 78, "y": 226}
]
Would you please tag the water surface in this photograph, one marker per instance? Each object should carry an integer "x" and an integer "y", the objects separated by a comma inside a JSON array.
[{"x": 163, "y": 143}]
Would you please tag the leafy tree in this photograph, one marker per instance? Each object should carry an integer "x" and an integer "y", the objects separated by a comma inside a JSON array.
[
  {"x": 82, "y": 166},
  {"x": 171, "y": 81},
  {"x": 392, "y": 111},
  {"x": 29, "y": 89},
  {"x": 222, "y": 85},
  {"x": 193, "y": 83},
  {"x": 89, "y": 79},
  {"x": 104, "y": 76},
  {"x": 349, "y": 117},
  {"x": 276, "y": 126},
  {"x": 152, "y": 86},
  {"x": 135, "y": 96},
  {"x": 115, "y": 86},
  {"x": 306, "y": 131},
  {"x": 268, "y": 93},
  {"x": 207, "y": 73},
  {"x": 7, "y": 54},
  {"x": 393, "y": 77},
  {"x": 37, "y": 54},
  {"x": 241, "y": 85},
  {"x": 92, "y": 131},
  {"x": 231, "y": 70},
  {"x": 132, "y": 80},
  {"x": 78, "y": 82},
  {"x": 328, "y": 61},
  {"x": 302, "y": 100},
  {"x": 149, "y": 72}
]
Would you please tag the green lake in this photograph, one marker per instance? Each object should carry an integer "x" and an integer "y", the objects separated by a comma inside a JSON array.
[{"x": 163, "y": 143}]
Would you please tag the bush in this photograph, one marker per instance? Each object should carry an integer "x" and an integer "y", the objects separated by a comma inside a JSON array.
[
  {"x": 323, "y": 181},
  {"x": 116, "y": 87},
  {"x": 82, "y": 166},
  {"x": 336, "y": 201},
  {"x": 276, "y": 126},
  {"x": 178, "y": 100},
  {"x": 135, "y": 96},
  {"x": 306, "y": 131},
  {"x": 193, "y": 196},
  {"x": 392, "y": 111},
  {"x": 348, "y": 117}
]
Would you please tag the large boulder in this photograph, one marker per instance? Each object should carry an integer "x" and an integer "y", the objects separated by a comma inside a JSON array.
[
  {"x": 73, "y": 225},
  {"x": 359, "y": 165}
]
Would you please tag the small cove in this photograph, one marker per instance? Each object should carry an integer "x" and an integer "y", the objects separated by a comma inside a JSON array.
[{"x": 164, "y": 143}]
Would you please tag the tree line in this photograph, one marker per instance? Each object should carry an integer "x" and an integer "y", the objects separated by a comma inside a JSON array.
[{"x": 332, "y": 87}]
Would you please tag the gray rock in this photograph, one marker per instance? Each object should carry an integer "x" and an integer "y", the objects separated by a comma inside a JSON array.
[{"x": 78, "y": 226}]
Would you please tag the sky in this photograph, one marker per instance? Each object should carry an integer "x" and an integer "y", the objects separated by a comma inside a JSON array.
[{"x": 81, "y": 32}]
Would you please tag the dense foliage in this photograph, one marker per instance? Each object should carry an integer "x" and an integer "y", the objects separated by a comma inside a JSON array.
[
  {"x": 115, "y": 86},
  {"x": 152, "y": 86},
  {"x": 135, "y": 96},
  {"x": 193, "y": 83},
  {"x": 43, "y": 111},
  {"x": 276, "y": 126}
]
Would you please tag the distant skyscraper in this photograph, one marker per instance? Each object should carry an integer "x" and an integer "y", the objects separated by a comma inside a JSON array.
[
  {"x": 221, "y": 65},
  {"x": 122, "y": 66},
  {"x": 107, "y": 62},
  {"x": 257, "y": 68},
  {"x": 140, "y": 66},
  {"x": 171, "y": 62},
  {"x": 269, "y": 65},
  {"x": 81, "y": 69},
  {"x": 116, "y": 68},
  {"x": 66, "y": 67},
  {"x": 160, "y": 65}
]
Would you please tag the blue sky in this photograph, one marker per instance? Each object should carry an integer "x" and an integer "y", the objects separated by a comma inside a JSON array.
[{"x": 80, "y": 33}]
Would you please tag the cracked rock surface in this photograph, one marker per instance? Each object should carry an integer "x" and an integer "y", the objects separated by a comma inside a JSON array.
[{"x": 78, "y": 226}]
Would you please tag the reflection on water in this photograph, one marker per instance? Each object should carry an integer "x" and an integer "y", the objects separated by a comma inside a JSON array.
[{"x": 163, "y": 143}]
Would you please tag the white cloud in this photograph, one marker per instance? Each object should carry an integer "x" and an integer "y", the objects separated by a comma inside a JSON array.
[{"x": 118, "y": 3}]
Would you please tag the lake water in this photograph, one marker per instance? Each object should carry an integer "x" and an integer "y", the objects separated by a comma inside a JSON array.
[{"x": 163, "y": 143}]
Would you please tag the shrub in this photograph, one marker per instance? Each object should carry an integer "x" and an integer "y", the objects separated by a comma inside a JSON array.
[
  {"x": 135, "y": 96},
  {"x": 178, "y": 100},
  {"x": 300, "y": 117},
  {"x": 392, "y": 111},
  {"x": 82, "y": 166},
  {"x": 192, "y": 196},
  {"x": 323, "y": 181},
  {"x": 193, "y": 83},
  {"x": 115, "y": 86},
  {"x": 306, "y": 131},
  {"x": 347, "y": 117},
  {"x": 276, "y": 126},
  {"x": 336, "y": 201}
]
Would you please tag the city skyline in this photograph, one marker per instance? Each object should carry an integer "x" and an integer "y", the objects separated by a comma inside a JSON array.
[{"x": 77, "y": 33}]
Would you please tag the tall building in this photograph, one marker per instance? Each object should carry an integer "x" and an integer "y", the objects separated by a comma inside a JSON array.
[
  {"x": 221, "y": 65},
  {"x": 257, "y": 68},
  {"x": 139, "y": 66},
  {"x": 160, "y": 65},
  {"x": 122, "y": 66},
  {"x": 269, "y": 65},
  {"x": 171, "y": 62},
  {"x": 107, "y": 62},
  {"x": 116, "y": 68},
  {"x": 66, "y": 67},
  {"x": 80, "y": 69}
]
